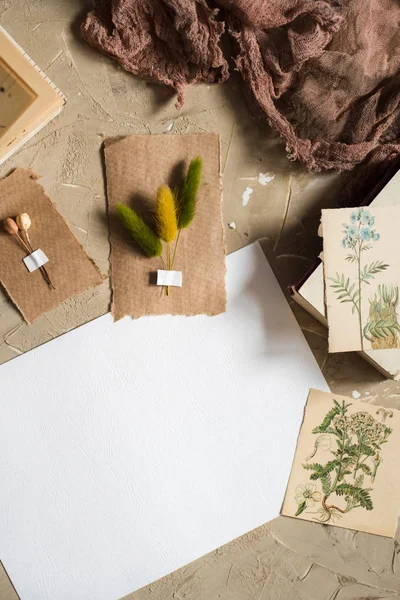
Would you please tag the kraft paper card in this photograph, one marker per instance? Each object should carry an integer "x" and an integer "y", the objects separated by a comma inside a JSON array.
[
  {"x": 345, "y": 471},
  {"x": 130, "y": 449},
  {"x": 362, "y": 277},
  {"x": 70, "y": 269},
  {"x": 136, "y": 166}
]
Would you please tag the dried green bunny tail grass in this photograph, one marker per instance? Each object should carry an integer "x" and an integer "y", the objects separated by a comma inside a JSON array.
[
  {"x": 186, "y": 208},
  {"x": 145, "y": 238}
]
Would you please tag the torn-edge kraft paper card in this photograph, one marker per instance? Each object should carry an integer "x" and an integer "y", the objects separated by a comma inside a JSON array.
[
  {"x": 135, "y": 167},
  {"x": 362, "y": 277},
  {"x": 345, "y": 470},
  {"x": 69, "y": 267}
]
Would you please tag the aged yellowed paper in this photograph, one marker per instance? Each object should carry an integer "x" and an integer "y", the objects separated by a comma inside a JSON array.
[
  {"x": 345, "y": 470},
  {"x": 362, "y": 277}
]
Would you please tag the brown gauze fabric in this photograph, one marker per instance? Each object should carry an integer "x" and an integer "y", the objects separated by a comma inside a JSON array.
[{"x": 324, "y": 73}]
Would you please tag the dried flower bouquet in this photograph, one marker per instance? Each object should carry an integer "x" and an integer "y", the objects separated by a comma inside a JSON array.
[{"x": 174, "y": 211}]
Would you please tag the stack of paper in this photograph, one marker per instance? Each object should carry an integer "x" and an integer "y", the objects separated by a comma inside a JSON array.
[{"x": 310, "y": 294}]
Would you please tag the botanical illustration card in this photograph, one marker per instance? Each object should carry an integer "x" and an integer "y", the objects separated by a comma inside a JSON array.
[
  {"x": 362, "y": 277},
  {"x": 345, "y": 470}
]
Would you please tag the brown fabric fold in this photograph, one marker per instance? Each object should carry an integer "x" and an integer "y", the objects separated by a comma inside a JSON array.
[
  {"x": 172, "y": 41},
  {"x": 327, "y": 81},
  {"x": 324, "y": 73}
]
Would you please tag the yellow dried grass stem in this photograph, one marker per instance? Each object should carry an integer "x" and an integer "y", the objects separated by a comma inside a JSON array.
[{"x": 167, "y": 225}]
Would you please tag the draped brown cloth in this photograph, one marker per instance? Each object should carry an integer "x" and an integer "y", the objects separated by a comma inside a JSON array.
[{"x": 324, "y": 73}]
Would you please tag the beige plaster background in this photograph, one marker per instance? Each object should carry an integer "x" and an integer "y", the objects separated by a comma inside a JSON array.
[{"x": 285, "y": 559}]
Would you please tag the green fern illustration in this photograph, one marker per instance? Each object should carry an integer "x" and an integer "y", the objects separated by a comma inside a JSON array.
[
  {"x": 369, "y": 271},
  {"x": 353, "y": 492},
  {"x": 336, "y": 410},
  {"x": 381, "y": 329},
  {"x": 345, "y": 291},
  {"x": 326, "y": 484},
  {"x": 321, "y": 471}
]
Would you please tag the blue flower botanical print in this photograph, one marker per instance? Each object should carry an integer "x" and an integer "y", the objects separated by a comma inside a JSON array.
[
  {"x": 359, "y": 235},
  {"x": 365, "y": 234},
  {"x": 366, "y": 218},
  {"x": 360, "y": 229},
  {"x": 353, "y": 217}
]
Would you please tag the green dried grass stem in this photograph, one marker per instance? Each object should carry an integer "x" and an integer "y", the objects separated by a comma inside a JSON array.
[
  {"x": 186, "y": 208},
  {"x": 145, "y": 237}
]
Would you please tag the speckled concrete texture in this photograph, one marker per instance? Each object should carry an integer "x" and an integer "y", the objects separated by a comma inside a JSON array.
[{"x": 286, "y": 559}]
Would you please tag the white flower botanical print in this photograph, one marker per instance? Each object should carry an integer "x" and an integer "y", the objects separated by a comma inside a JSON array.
[
  {"x": 354, "y": 442},
  {"x": 307, "y": 494},
  {"x": 323, "y": 442}
]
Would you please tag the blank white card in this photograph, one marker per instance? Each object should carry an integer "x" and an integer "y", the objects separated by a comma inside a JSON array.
[{"x": 129, "y": 449}]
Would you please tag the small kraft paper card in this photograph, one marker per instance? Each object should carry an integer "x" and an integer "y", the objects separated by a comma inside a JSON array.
[
  {"x": 157, "y": 186},
  {"x": 362, "y": 277},
  {"x": 345, "y": 470},
  {"x": 42, "y": 264}
]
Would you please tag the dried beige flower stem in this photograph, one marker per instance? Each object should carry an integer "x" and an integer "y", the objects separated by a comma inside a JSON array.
[
  {"x": 23, "y": 242},
  {"x": 24, "y": 223},
  {"x": 43, "y": 270},
  {"x": 11, "y": 227}
]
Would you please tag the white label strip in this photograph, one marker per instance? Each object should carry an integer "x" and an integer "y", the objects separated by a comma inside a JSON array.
[
  {"x": 35, "y": 260},
  {"x": 173, "y": 278}
]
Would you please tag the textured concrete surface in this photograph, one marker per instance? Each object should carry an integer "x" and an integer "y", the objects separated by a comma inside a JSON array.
[
  {"x": 7, "y": 591},
  {"x": 285, "y": 559}
]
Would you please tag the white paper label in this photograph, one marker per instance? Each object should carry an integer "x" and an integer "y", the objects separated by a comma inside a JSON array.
[
  {"x": 170, "y": 278},
  {"x": 35, "y": 260}
]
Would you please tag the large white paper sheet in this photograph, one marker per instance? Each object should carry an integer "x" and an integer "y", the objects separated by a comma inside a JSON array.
[{"x": 128, "y": 450}]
